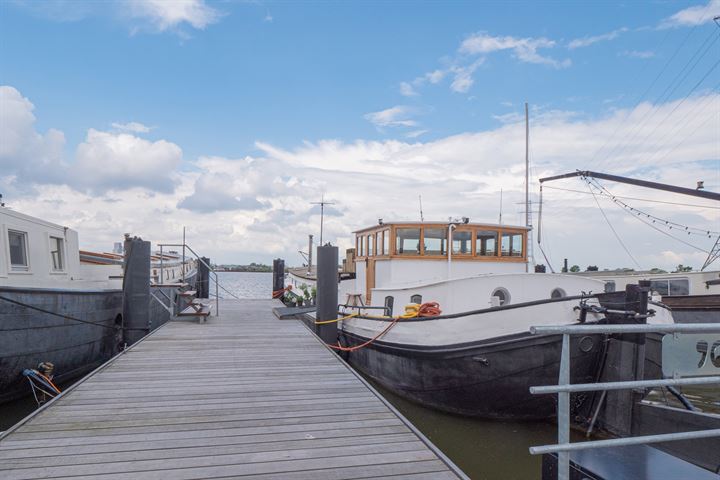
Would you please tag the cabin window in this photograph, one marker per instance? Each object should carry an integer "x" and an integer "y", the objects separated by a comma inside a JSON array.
[
  {"x": 660, "y": 286},
  {"x": 408, "y": 241},
  {"x": 386, "y": 242},
  {"x": 371, "y": 244},
  {"x": 680, "y": 286},
  {"x": 57, "y": 255},
  {"x": 18, "y": 250},
  {"x": 435, "y": 241},
  {"x": 462, "y": 242},
  {"x": 512, "y": 245},
  {"x": 380, "y": 243},
  {"x": 361, "y": 246},
  {"x": 389, "y": 302},
  {"x": 486, "y": 243},
  {"x": 502, "y": 295},
  {"x": 417, "y": 298},
  {"x": 558, "y": 293},
  {"x": 609, "y": 286}
]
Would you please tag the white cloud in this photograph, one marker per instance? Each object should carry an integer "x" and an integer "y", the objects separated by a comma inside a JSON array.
[
  {"x": 524, "y": 49},
  {"x": 587, "y": 41},
  {"x": 463, "y": 79},
  {"x": 642, "y": 54},
  {"x": 108, "y": 160},
  {"x": 415, "y": 133},
  {"x": 168, "y": 14},
  {"x": 407, "y": 90},
  {"x": 692, "y": 16},
  {"x": 134, "y": 127},
  {"x": 397, "y": 116}
]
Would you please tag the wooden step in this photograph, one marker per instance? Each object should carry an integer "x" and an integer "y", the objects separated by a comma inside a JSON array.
[
  {"x": 188, "y": 293},
  {"x": 196, "y": 310}
]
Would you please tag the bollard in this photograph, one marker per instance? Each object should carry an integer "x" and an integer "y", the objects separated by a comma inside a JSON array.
[
  {"x": 327, "y": 292},
  {"x": 202, "y": 284},
  {"x": 136, "y": 290},
  {"x": 278, "y": 274}
]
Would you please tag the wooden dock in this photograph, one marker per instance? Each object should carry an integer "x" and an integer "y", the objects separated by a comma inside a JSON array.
[{"x": 243, "y": 395}]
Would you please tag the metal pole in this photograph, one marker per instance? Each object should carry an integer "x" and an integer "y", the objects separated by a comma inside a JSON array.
[
  {"x": 183, "y": 257},
  {"x": 310, "y": 252},
  {"x": 527, "y": 182},
  {"x": 564, "y": 410},
  {"x": 162, "y": 275},
  {"x": 322, "y": 218}
]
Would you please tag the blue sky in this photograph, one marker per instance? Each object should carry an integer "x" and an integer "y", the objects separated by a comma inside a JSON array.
[{"x": 286, "y": 95}]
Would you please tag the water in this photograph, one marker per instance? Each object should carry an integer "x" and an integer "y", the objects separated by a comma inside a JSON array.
[{"x": 245, "y": 284}]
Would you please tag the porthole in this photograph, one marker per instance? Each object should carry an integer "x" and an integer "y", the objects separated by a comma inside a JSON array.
[
  {"x": 503, "y": 296},
  {"x": 558, "y": 293},
  {"x": 416, "y": 299}
]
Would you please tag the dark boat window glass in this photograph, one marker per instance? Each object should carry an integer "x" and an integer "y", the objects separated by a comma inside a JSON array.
[
  {"x": 512, "y": 245},
  {"x": 386, "y": 242},
  {"x": 503, "y": 296},
  {"x": 371, "y": 244},
  {"x": 680, "y": 286},
  {"x": 462, "y": 242},
  {"x": 389, "y": 302},
  {"x": 361, "y": 246},
  {"x": 659, "y": 286},
  {"x": 18, "y": 250},
  {"x": 558, "y": 293},
  {"x": 486, "y": 243},
  {"x": 381, "y": 243},
  {"x": 408, "y": 241},
  {"x": 609, "y": 286},
  {"x": 435, "y": 241},
  {"x": 416, "y": 299},
  {"x": 56, "y": 254}
]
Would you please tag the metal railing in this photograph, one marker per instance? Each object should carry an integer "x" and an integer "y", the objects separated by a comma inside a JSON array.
[
  {"x": 199, "y": 259},
  {"x": 564, "y": 388}
]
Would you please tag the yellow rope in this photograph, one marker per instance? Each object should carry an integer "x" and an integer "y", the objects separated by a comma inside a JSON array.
[{"x": 325, "y": 322}]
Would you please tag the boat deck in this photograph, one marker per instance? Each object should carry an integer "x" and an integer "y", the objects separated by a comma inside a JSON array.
[{"x": 243, "y": 395}]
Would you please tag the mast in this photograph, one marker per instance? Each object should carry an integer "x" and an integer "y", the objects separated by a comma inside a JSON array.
[
  {"x": 322, "y": 204},
  {"x": 527, "y": 184}
]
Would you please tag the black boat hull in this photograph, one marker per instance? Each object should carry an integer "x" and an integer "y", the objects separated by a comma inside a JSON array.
[{"x": 488, "y": 379}]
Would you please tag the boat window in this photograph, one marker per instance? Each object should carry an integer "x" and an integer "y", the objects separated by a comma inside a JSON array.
[
  {"x": 462, "y": 242},
  {"x": 679, "y": 286},
  {"x": 389, "y": 302},
  {"x": 56, "y": 253},
  {"x": 408, "y": 241},
  {"x": 486, "y": 243},
  {"x": 503, "y": 297},
  {"x": 416, "y": 299},
  {"x": 558, "y": 293},
  {"x": 371, "y": 245},
  {"x": 361, "y": 246},
  {"x": 609, "y": 286},
  {"x": 512, "y": 245},
  {"x": 386, "y": 242},
  {"x": 18, "y": 250},
  {"x": 659, "y": 286},
  {"x": 380, "y": 243},
  {"x": 435, "y": 241}
]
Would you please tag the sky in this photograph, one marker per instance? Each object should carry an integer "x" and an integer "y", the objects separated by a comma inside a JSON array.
[{"x": 231, "y": 117}]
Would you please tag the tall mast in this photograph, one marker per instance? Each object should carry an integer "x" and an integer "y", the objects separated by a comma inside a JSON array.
[{"x": 527, "y": 180}]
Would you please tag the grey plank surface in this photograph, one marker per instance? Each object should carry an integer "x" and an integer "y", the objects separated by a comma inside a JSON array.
[{"x": 244, "y": 395}]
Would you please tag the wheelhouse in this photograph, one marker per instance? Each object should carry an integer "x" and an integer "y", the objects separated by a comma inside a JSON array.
[{"x": 407, "y": 252}]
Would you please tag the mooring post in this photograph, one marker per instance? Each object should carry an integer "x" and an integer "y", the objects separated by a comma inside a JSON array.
[
  {"x": 136, "y": 290},
  {"x": 278, "y": 274},
  {"x": 202, "y": 284},
  {"x": 327, "y": 293}
]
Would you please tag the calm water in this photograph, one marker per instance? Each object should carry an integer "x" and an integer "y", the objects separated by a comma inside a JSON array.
[{"x": 483, "y": 449}]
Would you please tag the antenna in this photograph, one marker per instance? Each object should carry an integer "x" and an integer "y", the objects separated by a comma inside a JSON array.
[
  {"x": 322, "y": 204},
  {"x": 500, "y": 219},
  {"x": 422, "y": 218}
]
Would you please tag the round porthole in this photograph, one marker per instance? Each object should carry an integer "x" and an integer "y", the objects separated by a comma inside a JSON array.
[
  {"x": 503, "y": 296},
  {"x": 558, "y": 293}
]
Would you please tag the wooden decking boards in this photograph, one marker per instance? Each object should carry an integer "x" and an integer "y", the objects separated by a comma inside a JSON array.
[{"x": 243, "y": 395}]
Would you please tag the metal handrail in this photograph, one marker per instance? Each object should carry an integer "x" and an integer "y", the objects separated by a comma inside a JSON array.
[
  {"x": 564, "y": 388},
  {"x": 199, "y": 259}
]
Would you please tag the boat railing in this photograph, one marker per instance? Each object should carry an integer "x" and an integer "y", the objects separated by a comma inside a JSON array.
[
  {"x": 200, "y": 260},
  {"x": 564, "y": 388},
  {"x": 343, "y": 309}
]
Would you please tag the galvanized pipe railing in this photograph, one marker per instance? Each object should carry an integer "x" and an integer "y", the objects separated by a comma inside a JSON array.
[
  {"x": 199, "y": 259},
  {"x": 564, "y": 388}
]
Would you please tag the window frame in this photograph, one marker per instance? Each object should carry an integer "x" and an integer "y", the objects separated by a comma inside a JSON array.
[
  {"x": 60, "y": 244},
  {"x": 451, "y": 248},
  {"x": 19, "y": 268}
]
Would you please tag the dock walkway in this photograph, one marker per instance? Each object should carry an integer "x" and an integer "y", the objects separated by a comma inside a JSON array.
[{"x": 243, "y": 395}]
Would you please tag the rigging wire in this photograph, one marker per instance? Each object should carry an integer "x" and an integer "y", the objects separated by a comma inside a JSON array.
[
  {"x": 617, "y": 236},
  {"x": 656, "y": 228},
  {"x": 636, "y": 198}
]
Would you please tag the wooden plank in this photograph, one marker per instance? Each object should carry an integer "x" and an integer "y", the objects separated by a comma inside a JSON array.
[{"x": 242, "y": 395}]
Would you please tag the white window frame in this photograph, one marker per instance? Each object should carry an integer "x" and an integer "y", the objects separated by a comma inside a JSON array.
[
  {"x": 18, "y": 269},
  {"x": 63, "y": 254}
]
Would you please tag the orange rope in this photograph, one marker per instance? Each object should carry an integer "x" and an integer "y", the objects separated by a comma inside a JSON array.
[
  {"x": 49, "y": 381},
  {"x": 281, "y": 292}
]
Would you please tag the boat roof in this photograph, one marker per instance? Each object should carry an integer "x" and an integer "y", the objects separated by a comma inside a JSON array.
[{"x": 440, "y": 224}]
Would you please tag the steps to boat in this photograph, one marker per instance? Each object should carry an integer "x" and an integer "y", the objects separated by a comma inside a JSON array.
[{"x": 189, "y": 306}]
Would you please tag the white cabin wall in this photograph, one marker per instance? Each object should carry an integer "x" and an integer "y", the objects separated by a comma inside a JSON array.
[
  {"x": 360, "y": 278},
  {"x": 413, "y": 271}
]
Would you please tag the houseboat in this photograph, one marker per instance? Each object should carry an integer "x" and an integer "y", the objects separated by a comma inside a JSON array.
[{"x": 477, "y": 358}]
